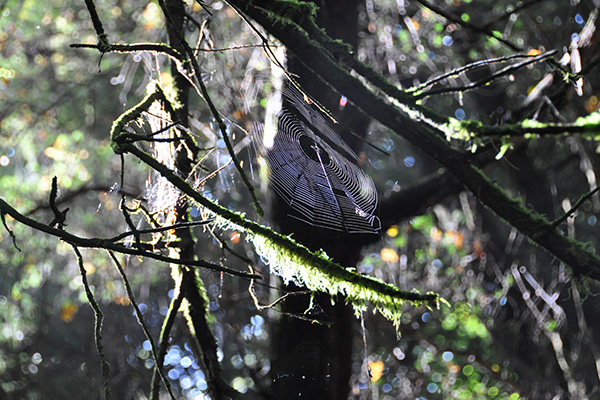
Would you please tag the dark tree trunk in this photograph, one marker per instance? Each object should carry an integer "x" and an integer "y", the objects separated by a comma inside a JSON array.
[
  {"x": 190, "y": 285},
  {"x": 311, "y": 360}
]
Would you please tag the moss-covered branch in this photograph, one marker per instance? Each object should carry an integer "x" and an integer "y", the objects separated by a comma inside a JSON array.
[
  {"x": 290, "y": 259},
  {"x": 131, "y": 48},
  {"x": 587, "y": 126},
  {"x": 427, "y": 134}
]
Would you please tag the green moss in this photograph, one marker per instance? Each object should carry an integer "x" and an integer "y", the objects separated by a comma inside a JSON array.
[
  {"x": 294, "y": 263},
  {"x": 117, "y": 135},
  {"x": 289, "y": 11}
]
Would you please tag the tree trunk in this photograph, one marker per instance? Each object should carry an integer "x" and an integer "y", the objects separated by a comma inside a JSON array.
[
  {"x": 194, "y": 307},
  {"x": 312, "y": 360}
]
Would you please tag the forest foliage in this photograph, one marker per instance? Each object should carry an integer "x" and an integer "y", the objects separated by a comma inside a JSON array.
[{"x": 487, "y": 115}]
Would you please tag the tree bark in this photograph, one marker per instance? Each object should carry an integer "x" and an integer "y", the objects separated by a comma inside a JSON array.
[{"x": 194, "y": 308}]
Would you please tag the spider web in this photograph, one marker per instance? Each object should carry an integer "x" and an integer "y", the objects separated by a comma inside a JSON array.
[{"x": 311, "y": 171}]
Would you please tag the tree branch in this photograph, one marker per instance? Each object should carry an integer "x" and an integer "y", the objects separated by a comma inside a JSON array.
[
  {"x": 285, "y": 243},
  {"x": 108, "y": 244},
  {"x": 138, "y": 313},
  {"x": 410, "y": 123},
  {"x": 132, "y": 48},
  {"x": 419, "y": 94},
  {"x": 99, "y": 316}
]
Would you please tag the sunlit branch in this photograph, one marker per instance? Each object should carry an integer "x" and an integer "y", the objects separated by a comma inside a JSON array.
[
  {"x": 132, "y": 48},
  {"x": 324, "y": 265},
  {"x": 585, "y": 126},
  {"x": 240, "y": 47},
  {"x": 504, "y": 71}
]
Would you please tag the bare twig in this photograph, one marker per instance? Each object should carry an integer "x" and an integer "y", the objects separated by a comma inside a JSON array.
[
  {"x": 180, "y": 225},
  {"x": 59, "y": 216},
  {"x": 475, "y": 65},
  {"x": 581, "y": 200},
  {"x": 102, "y": 243},
  {"x": 99, "y": 316},
  {"x": 504, "y": 71},
  {"x": 140, "y": 318}
]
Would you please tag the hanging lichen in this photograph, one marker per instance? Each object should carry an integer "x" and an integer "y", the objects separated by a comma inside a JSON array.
[{"x": 295, "y": 263}]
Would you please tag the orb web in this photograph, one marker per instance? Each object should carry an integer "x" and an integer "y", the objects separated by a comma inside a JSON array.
[{"x": 310, "y": 169}]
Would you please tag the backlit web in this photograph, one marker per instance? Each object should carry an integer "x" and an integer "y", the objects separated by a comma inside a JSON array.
[{"x": 311, "y": 171}]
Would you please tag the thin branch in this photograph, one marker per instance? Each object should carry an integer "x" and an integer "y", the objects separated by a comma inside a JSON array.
[
  {"x": 180, "y": 225},
  {"x": 240, "y": 47},
  {"x": 475, "y": 65},
  {"x": 226, "y": 247},
  {"x": 107, "y": 244},
  {"x": 262, "y": 307},
  {"x": 134, "y": 231},
  {"x": 102, "y": 38},
  {"x": 582, "y": 126},
  {"x": 504, "y": 71},
  {"x": 59, "y": 216},
  {"x": 10, "y": 233},
  {"x": 140, "y": 318},
  {"x": 71, "y": 194},
  {"x": 164, "y": 338},
  {"x": 132, "y": 48},
  {"x": 578, "y": 204},
  {"x": 99, "y": 316},
  {"x": 468, "y": 25},
  {"x": 583, "y": 327}
]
